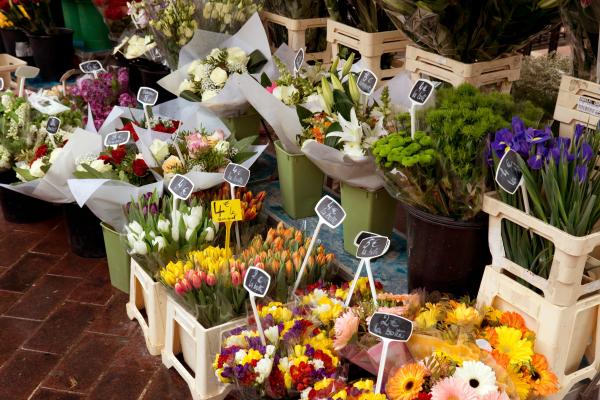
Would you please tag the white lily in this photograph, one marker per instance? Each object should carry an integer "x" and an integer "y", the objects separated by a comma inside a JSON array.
[{"x": 352, "y": 131}]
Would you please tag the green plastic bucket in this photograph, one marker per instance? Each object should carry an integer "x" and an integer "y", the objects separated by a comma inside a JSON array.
[
  {"x": 300, "y": 182},
  {"x": 119, "y": 263},
  {"x": 245, "y": 125},
  {"x": 94, "y": 32},
  {"x": 71, "y": 14},
  {"x": 366, "y": 211}
]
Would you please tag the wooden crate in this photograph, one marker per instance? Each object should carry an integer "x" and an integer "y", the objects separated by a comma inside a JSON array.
[
  {"x": 371, "y": 46},
  {"x": 198, "y": 347},
  {"x": 151, "y": 297},
  {"x": 563, "y": 334},
  {"x": 578, "y": 103},
  {"x": 296, "y": 29},
  {"x": 501, "y": 72},
  {"x": 8, "y": 65},
  {"x": 573, "y": 268}
]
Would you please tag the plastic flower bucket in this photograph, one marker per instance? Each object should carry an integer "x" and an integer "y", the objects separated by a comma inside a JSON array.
[
  {"x": 366, "y": 211},
  {"x": 300, "y": 182},
  {"x": 85, "y": 234},
  {"x": 244, "y": 125},
  {"x": 119, "y": 263},
  {"x": 70, "y": 11},
  {"x": 21, "y": 209},
  {"x": 94, "y": 32}
]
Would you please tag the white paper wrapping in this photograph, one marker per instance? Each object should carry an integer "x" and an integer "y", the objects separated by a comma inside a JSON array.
[
  {"x": 229, "y": 102},
  {"x": 53, "y": 186}
]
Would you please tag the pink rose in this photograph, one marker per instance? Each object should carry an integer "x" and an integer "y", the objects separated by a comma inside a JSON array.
[
  {"x": 196, "y": 143},
  {"x": 271, "y": 88}
]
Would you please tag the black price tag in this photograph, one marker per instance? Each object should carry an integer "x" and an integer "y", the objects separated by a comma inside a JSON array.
[
  {"x": 147, "y": 96},
  {"x": 330, "y": 212},
  {"x": 363, "y": 235},
  {"x": 53, "y": 125},
  {"x": 299, "y": 60},
  {"x": 391, "y": 327},
  {"x": 181, "y": 187},
  {"x": 1, "y": 83},
  {"x": 116, "y": 138},
  {"x": 373, "y": 247},
  {"x": 421, "y": 91},
  {"x": 91, "y": 67},
  {"x": 508, "y": 175},
  {"x": 366, "y": 81},
  {"x": 257, "y": 282},
  {"x": 236, "y": 175}
]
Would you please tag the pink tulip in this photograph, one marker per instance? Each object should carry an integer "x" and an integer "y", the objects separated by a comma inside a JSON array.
[
  {"x": 179, "y": 289},
  {"x": 187, "y": 286},
  {"x": 197, "y": 281},
  {"x": 236, "y": 278},
  {"x": 189, "y": 274},
  {"x": 211, "y": 279},
  {"x": 259, "y": 265},
  {"x": 202, "y": 275}
]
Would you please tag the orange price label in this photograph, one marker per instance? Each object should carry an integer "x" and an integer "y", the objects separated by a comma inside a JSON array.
[{"x": 226, "y": 210}]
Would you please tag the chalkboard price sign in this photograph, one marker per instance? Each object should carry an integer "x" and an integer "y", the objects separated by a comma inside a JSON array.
[
  {"x": 299, "y": 60},
  {"x": 363, "y": 235},
  {"x": 91, "y": 67},
  {"x": 257, "y": 282},
  {"x": 236, "y": 175},
  {"x": 421, "y": 91},
  {"x": 390, "y": 327},
  {"x": 373, "y": 247},
  {"x": 147, "y": 96},
  {"x": 367, "y": 81},
  {"x": 53, "y": 125},
  {"x": 181, "y": 187},
  {"x": 116, "y": 138},
  {"x": 508, "y": 175},
  {"x": 1, "y": 83},
  {"x": 330, "y": 212}
]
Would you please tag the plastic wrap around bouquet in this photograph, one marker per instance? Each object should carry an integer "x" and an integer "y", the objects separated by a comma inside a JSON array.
[
  {"x": 208, "y": 60},
  {"x": 53, "y": 187},
  {"x": 358, "y": 169}
]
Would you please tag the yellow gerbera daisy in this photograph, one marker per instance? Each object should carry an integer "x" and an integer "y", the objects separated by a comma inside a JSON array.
[
  {"x": 508, "y": 341},
  {"x": 520, "y": 383},
  {"x": 429, "y": 316},
  {"x": 407, "y": 382},
  {"x": 462, "y": 314}
]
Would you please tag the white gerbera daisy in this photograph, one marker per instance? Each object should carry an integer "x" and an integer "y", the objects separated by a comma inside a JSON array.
[{"x": 478, "y": 375}]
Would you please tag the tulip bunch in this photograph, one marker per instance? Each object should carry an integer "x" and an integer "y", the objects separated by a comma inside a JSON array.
[
  {"x": 281, "y": 253},
  {"x": 251, "y": 204},
  {"x": 158, "y": 234},
  {"x": 210, "y": 282}
]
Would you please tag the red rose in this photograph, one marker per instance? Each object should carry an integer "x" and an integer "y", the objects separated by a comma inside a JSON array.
[
  {"x": 41, "y": 152},
  {"x": 140, "y": 168},
  {"x": 105, "y": 158},
  {"x": 118, "y": 154},
  {"x": 129, "y": 127}
]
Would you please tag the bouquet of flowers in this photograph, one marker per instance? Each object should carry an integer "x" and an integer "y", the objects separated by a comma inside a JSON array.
[
  {"x": 157, "y": 233},
  {"x": 101, "y": 95},
  {"x": 561, "y": 184},
  {"x": 329, "y": 388},
  {"x": 227, "y": 16},
  {"x": 281, "y": 253}
]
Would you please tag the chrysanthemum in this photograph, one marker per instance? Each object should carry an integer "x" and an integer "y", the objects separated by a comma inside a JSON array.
[
  {"x": 407, "y": 382},
  {"x": 543, "y": 381},
  {"x": 429, "y": 316},
  {"x": 509, "y": 342},
  {"x": 453, "y": 389},
  {"x": 478, "y": 375}
]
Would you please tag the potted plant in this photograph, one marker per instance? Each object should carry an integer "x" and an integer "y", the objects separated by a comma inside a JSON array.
[
  {"x": 440, "y": 176},
  {"x": 52, "y": 46}
]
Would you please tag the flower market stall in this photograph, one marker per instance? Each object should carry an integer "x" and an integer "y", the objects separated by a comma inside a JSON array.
[{"x": 311, "y": 200}]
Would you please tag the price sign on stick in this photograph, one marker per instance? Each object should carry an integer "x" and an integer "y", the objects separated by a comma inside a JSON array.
[
  {"x": 367, "y": 81},
  {"x": 236, "y": 175},
  {"x": 93, "y": 67},
  {"x": 181, "y": 187},
  {"x": 147, "y": 97},
  {"x": 25, "y": 72},
  {"x": 370, "y": 247},
  {"x": 1, "y": 83},
  {"x": 330, "y": 213},
  {"x": 298, "y": 61},
  {"x": 227, "y": 211},
  {"x": 510, "y": 177},
  {"x": 419, "y": 94},
  {"x": 52, "y": 126},
  {"x": 115, "y": 139},
  {"x": 257, "y": 283},
  {"x": 389, "y": 328}
]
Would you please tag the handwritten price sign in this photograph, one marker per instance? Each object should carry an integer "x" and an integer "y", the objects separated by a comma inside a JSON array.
[{"x": 227, "y": 210}]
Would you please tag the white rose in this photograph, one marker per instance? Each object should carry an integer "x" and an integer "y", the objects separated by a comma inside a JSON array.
[
  {"x": 209, "y": 94},
  {"x": 222, "y": 147},
  {"x": 101, "y": 166},
  {"x": 55, "y": 154},
  {"x": 218, "y": 76},
  {"x": 159, "y": 149},
  {"x": 235, "y": 55},
  {"x": 186, "y": 84},
  {"x": 285, "y": 93},
  {"x": 163, "y": 225},
  {"x": 160, "y": 242},
  {"x": 199, "y": 71},
  {"x": 36, "y": 168}
]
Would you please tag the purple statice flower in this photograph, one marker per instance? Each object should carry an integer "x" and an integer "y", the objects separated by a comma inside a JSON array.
[
  {"x": 586, "y": 152},
  {"x": 123, "y": 77},
  {"x": 127, "y": 100},
  {"x": 581, "y": 172}
]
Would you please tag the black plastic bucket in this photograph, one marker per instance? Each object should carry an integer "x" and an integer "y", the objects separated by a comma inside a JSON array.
[
  {"x": 17, "y": 44},
  {"x": 85, "y": 233},
  {"x": 53, "y": 53},
  {"x": 444, "y": 254},
  {"x": 143, "y": 72},
  {"x": 22, "y": 209}
]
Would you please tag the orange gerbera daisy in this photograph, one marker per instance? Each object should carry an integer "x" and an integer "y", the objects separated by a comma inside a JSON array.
[
  {"x": 501, "y": 358},
  {"x": 407, "y": 382},
  {"x": 514, "y": 320},
  {"x": 543, "y": 381}
]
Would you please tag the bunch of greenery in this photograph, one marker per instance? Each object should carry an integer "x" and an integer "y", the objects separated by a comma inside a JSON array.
[
  {"x": 540, "y": 80},
  {"x": 453, "y": 182},
  {"x": 472, "y": 30}
]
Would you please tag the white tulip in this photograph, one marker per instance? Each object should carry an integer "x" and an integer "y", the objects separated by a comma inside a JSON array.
[
  {"x": 159, "y": 242},
  {"x": 210, "y": 234},
  {"x": 140, "y": 247},
  {"x": 163, "y": 225}
]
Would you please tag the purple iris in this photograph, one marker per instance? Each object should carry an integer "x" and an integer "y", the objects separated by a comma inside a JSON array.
[
  {"x": 518, "y": 126},
  {"x": 581, "y": 173},
  {"x": 503, "y": 139},
  {"x": 536, "y": 161},
  {"x": 586, "y": 152},
  {"x": 578, "y": 132},
  {"x": 537, "y": 135}
]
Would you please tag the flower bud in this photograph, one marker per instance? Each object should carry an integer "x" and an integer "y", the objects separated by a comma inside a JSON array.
[
  {"x": 334, "y": 65},
  {"x": 353, "y": 89},
  {"x": 189, "y": 274},
  {"x": 348, "y": 65},
  {"x": 179, "y": 289},
  {"x": 327, "y": 93},
  {"x": 336, "y": 83},
  {"x": 236, "y": 278},
  {"x": 211, "y": 279},
  {"x": 197, "y": 281},
  {"x": 289, "y": 267},
  {"x": 187, "y": 285}
]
